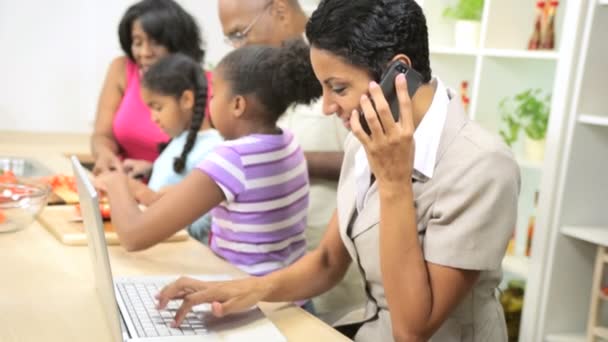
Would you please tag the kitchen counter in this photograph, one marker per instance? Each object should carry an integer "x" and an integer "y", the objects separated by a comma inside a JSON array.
[{"x": 48, "y": 289}]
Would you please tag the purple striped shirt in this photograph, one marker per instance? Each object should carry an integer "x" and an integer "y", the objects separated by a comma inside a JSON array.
[{"x": 260, "y": 226}]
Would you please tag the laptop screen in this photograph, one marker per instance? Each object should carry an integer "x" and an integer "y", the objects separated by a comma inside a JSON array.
[{"x": 89, "y": 207}]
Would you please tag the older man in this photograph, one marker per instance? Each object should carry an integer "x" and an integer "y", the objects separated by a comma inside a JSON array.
[{"x": 270, "y": 22}]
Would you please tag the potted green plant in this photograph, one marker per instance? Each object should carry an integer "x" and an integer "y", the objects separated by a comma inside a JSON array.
[
  {"x": 467, "y": 14},
  {"x": 528, "y": 110}
]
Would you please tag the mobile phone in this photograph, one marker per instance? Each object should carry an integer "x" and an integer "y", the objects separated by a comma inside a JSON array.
[{"x": 387, "y": 84}]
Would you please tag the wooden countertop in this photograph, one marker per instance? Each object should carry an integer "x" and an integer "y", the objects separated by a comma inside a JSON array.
[{"x": 48, "y": 288}]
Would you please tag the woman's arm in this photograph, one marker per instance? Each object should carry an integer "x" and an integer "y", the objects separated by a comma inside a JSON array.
[
  {"x": 103, "y": 145},
  {"x": 420, "y": 295},
  {"x": 174, "y": 210},
  {"x": 313, "y": 274}
]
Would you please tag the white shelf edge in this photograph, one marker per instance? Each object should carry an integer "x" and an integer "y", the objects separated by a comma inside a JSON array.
[
  {"x": 595, "y": 120},
  {"x": 518, "y": 265},
  {"x": 445, "y": 50},
  {"x": 594, "y": 234},
  {"x": 573, "y": 337},
  {"x": 524, "y": 54},
  {"x": 493, "y": 52}
]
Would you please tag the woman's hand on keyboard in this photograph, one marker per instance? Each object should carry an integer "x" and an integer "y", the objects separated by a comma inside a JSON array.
[{"x": 225, "y": 297}]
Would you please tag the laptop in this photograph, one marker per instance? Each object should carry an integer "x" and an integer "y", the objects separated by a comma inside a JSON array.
[{"x": 129, "y": 304}]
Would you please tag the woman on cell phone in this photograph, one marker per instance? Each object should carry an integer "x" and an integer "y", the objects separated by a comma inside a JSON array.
[{"x": 426, "y": 204}]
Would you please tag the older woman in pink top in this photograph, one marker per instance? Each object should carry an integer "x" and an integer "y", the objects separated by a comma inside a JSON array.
[{"x": 148, "y": 31}]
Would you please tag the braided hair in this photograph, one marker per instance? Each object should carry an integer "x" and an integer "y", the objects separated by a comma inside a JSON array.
[{"x": 172, "y": 75}]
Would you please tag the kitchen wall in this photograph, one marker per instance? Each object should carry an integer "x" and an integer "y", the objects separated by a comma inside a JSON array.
[{"x": 54, "y": 56}]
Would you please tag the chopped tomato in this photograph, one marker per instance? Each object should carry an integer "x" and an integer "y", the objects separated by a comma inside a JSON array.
[
  {"x": 104, "y": 208},
  {"x": 62, "y": 181},
  {"x": 7, "y": 176},
  {"x": 2, "y": 217}
]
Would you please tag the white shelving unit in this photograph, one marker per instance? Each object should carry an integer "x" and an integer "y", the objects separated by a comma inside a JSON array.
[
  {"x": 443, "y": 50},
  {"x": 504, "y": 53},
  {"x": 575, "y": 218},
  {"x": 595, "y": 235},
  {"x": 501, "y": 66},
  {"x": 594, "y": 120},
  {"x": 566, "y": 338},
  {"x": 524, "y": 54}
]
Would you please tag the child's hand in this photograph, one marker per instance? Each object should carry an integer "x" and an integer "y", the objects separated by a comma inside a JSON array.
[
  {"x": 136, "y": 168},
  {"x": 108, "y": 180}
]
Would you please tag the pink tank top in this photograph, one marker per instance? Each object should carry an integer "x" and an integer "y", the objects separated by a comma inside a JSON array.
[
  {"x": 134, "y": 130},
  {"x": 137, "y": 135}
]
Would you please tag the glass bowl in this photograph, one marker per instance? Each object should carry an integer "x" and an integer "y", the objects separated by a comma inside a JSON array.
[{"x": 20, "y": 204}]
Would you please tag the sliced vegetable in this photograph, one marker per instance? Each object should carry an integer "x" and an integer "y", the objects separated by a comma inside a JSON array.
[
  {"x": 62, "y": 181},
  {"x": 104, "y": 208},
  {"x": 7, "y": 176}
]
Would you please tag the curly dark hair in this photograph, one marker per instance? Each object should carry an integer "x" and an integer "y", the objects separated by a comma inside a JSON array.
[
  {"x": 171, "y": 76},
  {"x": 277, "y": 77},
  {"x": 167, "y": 23},
  {"x": 369, "y": 33}
]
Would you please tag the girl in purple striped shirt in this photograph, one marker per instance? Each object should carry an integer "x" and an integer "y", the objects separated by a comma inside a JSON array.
[{"x": 256, "y": 182}]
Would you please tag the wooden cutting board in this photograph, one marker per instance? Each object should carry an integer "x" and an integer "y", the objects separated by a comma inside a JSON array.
[
  {"x": 58, "y": 219},
  {"x": 62, "y": 196}
]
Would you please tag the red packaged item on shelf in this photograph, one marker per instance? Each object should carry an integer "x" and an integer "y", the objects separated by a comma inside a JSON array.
[
  {"x": 548, "y": 33},
  {"x": 464, "y": 86},
  {"x": 535, "y": 40}
]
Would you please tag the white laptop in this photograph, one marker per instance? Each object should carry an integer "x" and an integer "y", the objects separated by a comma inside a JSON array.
[{"x": 129, "y": 304}]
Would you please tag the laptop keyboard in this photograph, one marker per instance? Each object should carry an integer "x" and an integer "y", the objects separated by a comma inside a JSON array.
[{"x": 150, "y": 322}]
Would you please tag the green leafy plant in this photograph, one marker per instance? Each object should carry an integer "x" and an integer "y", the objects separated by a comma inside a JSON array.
[
  {"x": 528, "y": 110},
  {"x": 465, "y": 10}
]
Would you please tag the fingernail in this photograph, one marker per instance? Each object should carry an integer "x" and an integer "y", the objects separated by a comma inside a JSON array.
[
  {"x": 174, "y": 324},
  {"x": 363, "y": 97},
  {"x": 401, "y": 77},
  {"x": 373, "y": 84}
]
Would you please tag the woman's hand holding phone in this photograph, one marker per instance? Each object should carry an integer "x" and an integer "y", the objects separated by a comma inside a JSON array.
[
  {"x": 387, "y": 85},
  {"x": 390, "y": 146}
]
